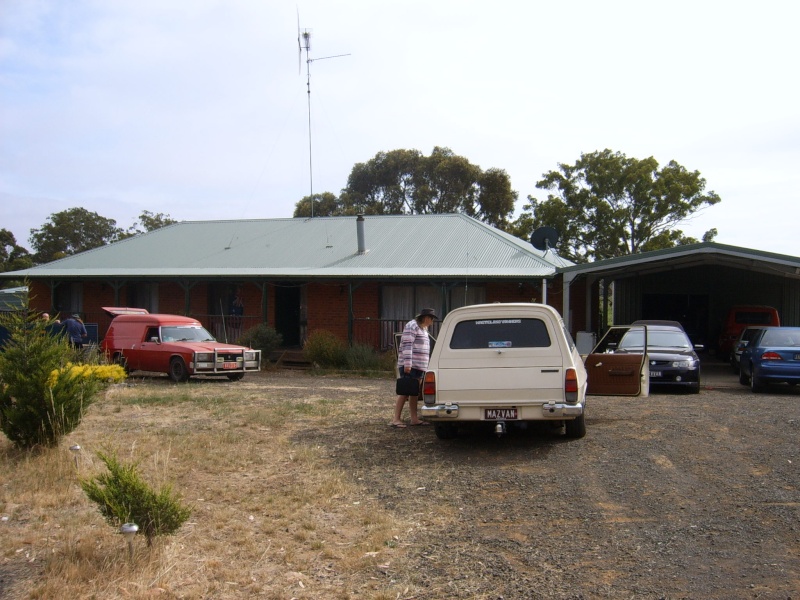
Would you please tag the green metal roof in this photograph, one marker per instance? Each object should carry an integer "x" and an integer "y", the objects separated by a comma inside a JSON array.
[
  {"x": 703, "y": 253},
  {"x": 449, "y": 245}
]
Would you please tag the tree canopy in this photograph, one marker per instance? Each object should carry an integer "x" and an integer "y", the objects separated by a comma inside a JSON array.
[
  {"x": 147, "y": 222},
  {"x": 76, "y": 230},
  {"x": 407, "y": 182},
  {"x": 71, "y": 231},
  {"x": 608, "y": 205},
  {"x": 13, "y": 257}
]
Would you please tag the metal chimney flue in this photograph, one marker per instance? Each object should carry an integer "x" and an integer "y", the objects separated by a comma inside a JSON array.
[{"x": 362, "y": 245}]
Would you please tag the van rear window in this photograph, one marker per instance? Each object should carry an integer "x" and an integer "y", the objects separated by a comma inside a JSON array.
[
  {"x": 500, "y": 333},
  {"x": 754, "y": 318}
]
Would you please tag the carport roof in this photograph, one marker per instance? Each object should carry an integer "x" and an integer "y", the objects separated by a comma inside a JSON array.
[
  {"x": 444, "y": 245},
  {"x": 690, "y": 255}
]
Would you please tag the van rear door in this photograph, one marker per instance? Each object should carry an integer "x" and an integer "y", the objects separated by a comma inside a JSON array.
[{"x": 507, "y": 360}]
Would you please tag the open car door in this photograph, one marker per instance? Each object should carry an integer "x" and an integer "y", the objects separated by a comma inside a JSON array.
[{"x": 615, "y": 369}]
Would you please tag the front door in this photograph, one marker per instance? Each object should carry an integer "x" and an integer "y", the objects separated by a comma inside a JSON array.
[
  {"x": 610, "y": 373},
  {"x": 287, "y": 313}
]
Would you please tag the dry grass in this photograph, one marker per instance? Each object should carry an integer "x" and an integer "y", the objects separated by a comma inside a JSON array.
[{"x": 273, "y": 516}]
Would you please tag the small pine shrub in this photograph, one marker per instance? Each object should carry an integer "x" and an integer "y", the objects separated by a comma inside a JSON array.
[
  {"x": 325, "y": 350},
  {"x": 262, "y": 337},
  {"x": 124, "y": 497},
  {"x": 43, "y": 395}
]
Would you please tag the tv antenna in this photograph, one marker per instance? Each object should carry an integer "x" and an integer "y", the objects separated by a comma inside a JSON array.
[{"x": 304, "y": 43}]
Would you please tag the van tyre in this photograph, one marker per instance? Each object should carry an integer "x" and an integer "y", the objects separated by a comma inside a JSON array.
[
  {"x": 120, "y": 360},
  {"x": 235, "y": 376},
  {"x": 575, "y": 428},
  {"x": 177, "y": 370}
]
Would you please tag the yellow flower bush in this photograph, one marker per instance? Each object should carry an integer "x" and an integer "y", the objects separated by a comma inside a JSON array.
[
  {"x": 100, "y": 373},
  {"x": 44, "y": 393}
]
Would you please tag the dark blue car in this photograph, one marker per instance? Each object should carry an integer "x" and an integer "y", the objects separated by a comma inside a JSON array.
[{"x": 773, "y": 356}]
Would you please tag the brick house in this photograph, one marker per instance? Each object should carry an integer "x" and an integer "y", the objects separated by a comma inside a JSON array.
[{"x": 359, "y": 277}]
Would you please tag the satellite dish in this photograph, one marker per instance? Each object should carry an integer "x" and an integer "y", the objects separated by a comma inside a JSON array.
[{"x": 544, "y": 238}]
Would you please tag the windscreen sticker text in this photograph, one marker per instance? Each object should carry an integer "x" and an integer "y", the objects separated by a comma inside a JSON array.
[
  {"x": 497, "y": 321},
  {"x": 499, "y": 344}
]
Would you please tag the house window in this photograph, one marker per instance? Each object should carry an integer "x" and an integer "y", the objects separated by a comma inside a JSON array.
[
  {"x": 403, "y": 302},
  {"x": 68, "y": 298},
  {"x": 466, "y": 295},
  {"x": 143, "y": 295}
]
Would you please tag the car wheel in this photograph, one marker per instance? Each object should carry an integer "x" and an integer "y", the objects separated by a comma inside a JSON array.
[
  {"x": 575, "y": 428},
  {"x": 743, "y": 379},
  {"x": 177, "y": 370},
  {"x": 695, "y": 389},
  {"x": 755, "y": 383},
  {"x": 445, "y": 431},
  {"x": 235, "y": 376}
]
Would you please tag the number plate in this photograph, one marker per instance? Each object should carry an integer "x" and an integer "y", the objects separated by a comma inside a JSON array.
[
  {"x": 229, "y": 365},
  {"x": 501, "y": 414},
  {"x": 655, "y": 373}
]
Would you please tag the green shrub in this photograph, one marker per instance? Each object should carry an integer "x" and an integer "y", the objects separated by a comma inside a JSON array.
[
  {"x": 43, "y": 395},
  {"x": 124, "y": 497},
  {"x": 361, "y": 357},
  {"x": 262, "y": 337},
  {"x": 325, "y": 350}
]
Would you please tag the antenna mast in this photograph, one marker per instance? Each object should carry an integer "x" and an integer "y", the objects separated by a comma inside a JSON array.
[{"x": 304, "y": 43}]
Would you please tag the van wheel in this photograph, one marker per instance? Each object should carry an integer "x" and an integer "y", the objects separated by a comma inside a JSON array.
[
  {"x": 177, "y": 370},
  {"x": 445, "y": 431},
  {"x": 575, "y": 428},
  {"x": 120, "y": 360},
  {"x": 235, "y": 376}
]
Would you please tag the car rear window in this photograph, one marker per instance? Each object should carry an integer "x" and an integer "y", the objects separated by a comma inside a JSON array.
[
  {"x": 500, "y": 333},
  {"x": 781, "y": 337}
]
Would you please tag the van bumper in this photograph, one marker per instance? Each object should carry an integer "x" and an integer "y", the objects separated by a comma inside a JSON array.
[
  {"x": 549, "y": 410},
  {"x": 439, "y": 411}
]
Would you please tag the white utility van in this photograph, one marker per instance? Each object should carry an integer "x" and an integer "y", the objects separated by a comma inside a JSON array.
[
  {"x": 513, "y": 363},
  {"x": 504, "y": 363}
]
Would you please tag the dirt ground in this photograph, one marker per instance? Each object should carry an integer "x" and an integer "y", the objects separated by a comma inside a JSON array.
[
  {"x": 673, "y": 496},
  {"x": 669, "y": 497}
]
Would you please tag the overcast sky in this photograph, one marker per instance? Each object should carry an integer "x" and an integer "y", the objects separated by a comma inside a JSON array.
[{"x": 198, "y": 108}]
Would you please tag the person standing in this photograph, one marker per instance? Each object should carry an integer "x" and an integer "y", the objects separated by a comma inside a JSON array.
[
  {"x": 412, "y": 360},
  {"x": 75, "y": 330}
]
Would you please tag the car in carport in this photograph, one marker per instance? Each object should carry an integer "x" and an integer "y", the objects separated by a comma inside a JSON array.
[
  {"x": 773, "y": 356},
  {"x": 671, "y": 357}
]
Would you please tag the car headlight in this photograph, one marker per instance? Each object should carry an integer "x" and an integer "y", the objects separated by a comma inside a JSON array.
[
  {"x": 250, "y": 355},
  {"x": 684, "y": 364},
  {"x": 204, "y": 356}
]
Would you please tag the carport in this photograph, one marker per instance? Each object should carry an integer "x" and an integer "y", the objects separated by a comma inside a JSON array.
[{"x": 695, "y": 284}]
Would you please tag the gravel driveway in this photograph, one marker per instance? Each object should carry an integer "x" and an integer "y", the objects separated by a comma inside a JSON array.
[{"x": 672, "y": 496}]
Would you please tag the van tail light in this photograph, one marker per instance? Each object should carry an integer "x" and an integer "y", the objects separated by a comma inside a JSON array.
[
  {"x": 429, "y": 384},
  {"x": 771, "y": 356},
  {"x": 571, "y": 386}
]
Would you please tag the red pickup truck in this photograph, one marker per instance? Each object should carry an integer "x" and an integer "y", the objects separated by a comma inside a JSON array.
[{"x": 172, "y": 344}]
